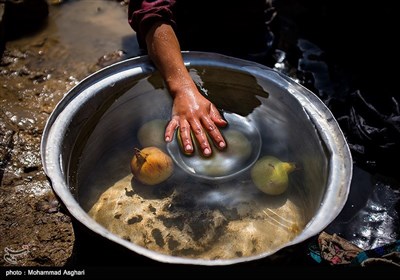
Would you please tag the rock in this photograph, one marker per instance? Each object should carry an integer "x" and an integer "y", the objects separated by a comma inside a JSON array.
[{"x": 23, "y": 17}]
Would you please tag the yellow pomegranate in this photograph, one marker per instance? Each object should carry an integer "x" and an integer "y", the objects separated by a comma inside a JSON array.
[
  {"x": 151, "y": 165},
  {"x": 270, "y": 174}
]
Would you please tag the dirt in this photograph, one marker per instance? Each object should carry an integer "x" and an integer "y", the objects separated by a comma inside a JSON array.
[
  {"x": 207, "y": 222},
  {"x": 36, "y": 71}
]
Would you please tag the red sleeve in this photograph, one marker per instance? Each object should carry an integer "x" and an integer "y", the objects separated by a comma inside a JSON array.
[{"x": 142, "y": 14}]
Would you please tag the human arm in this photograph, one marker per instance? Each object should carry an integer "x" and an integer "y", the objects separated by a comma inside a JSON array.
[
  {"x": 154, "y": 24},
  {"x": 191, "y": 110}
]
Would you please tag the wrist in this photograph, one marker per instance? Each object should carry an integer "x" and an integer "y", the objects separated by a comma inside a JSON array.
[{"x": 180, "y": 85}]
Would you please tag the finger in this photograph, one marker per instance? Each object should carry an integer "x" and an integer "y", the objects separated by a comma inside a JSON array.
[
  {"x": 186, "y": 139},
  {"x": 170, "y": 129},
  {"x": 214, "y": 132},
  {"x": 201, "y": 138},
  {"x": 216, "y": 117}
]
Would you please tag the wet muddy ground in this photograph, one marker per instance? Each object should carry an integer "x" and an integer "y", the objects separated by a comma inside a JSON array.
[
  {"x": 36, "y": 71},
  {"x": 80, "y": 37}
]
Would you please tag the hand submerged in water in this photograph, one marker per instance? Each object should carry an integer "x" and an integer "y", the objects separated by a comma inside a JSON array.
[{"x": 193, "y": 113}]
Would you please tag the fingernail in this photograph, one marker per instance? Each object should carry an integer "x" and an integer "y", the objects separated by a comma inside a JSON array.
[
  {"x": 167, "y": 139},
  {"x": 207, "y": 151},
  {"x": 221, "y": 144},
  {"x": 188, "y": 147}
]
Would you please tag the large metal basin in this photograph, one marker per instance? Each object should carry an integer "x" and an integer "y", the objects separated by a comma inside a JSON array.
[{"x": 89, "y": 140}]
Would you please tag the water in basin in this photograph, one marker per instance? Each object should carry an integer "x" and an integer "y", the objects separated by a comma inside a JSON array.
[{"x": 195, "y": 216}]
